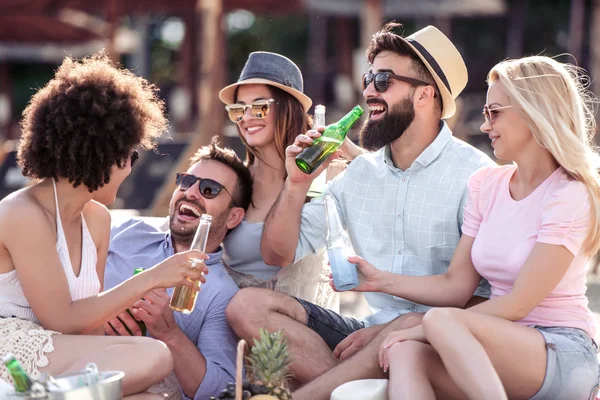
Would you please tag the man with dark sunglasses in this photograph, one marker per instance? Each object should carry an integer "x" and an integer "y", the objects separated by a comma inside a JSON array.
[
  {"x": 402, "y": 205},
  {"x": 203, "y": 346}
]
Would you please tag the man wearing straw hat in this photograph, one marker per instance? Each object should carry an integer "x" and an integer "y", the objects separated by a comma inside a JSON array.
[{"x": 402, "y": 205}]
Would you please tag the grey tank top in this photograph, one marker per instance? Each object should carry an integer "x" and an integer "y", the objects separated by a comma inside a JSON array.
[{"x": 241, "y": 251}]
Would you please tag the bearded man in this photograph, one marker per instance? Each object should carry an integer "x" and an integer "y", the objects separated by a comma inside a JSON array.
[
  {"x": 217, "y": 183},
  {"x": 402, "y": 205}
]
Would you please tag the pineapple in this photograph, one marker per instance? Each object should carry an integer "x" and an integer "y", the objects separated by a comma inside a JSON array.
[{"x": 269, "y": 364}]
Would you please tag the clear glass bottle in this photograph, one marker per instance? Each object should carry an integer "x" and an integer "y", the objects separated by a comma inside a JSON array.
[
  {"x": 339, "y": 248},
  {"x": 184, "y": 298}
]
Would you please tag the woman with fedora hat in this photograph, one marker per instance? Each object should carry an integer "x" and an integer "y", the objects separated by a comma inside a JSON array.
[
  {"x": 270, "y": 109},
  {"x": 530, "y": 228}
]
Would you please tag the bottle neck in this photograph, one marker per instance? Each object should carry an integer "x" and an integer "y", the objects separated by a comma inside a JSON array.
[
  {"x": 334, "y": 222},
  {"x": 347, "y": 121}
]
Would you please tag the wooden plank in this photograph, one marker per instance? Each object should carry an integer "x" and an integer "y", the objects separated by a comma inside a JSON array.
[
  {"x": 370, "y": 21},
  {"x": 211, "y": 79},
  {"x": 576, "y": 27}
]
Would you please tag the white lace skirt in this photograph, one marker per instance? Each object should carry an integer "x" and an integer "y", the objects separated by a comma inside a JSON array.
[{"x": 29, "y": 343}]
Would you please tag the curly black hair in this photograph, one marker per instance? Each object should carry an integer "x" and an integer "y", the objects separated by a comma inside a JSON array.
[{"x": 87, "y": 119}]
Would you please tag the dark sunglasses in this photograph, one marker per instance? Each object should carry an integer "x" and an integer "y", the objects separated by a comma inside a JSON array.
[
  {"x": 259, "y": 109},
  {"x": 209, "y": 189},
  {"x": 490, "y": 113},
  {"x": 135, "y": 155},
  {"x": 381, "y": 80}
]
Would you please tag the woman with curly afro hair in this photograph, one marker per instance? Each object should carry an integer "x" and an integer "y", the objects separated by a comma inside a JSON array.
[{"x": 79, "y": 135}]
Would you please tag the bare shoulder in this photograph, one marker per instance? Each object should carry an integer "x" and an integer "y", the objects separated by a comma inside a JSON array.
[
  {"x": 97, "y": 219},
  {"x": 21, "y": 208},
  {"x": 96, "y": 212}
]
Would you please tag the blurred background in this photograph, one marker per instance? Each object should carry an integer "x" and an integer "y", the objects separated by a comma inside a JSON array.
[{"x": 193, "y": 48}]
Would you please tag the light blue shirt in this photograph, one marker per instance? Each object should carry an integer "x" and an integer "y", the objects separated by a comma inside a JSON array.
[
  {"x": 406, "y": 222},
  {"x": 140, "y": 242}
]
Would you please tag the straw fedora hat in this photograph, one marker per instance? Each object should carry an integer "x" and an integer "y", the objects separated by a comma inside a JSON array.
[
  {"x": 269, "y": 69},
  {"x": 444, "y": 62}
]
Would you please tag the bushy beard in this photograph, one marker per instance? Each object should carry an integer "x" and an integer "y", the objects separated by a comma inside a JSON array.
[{"x": 379, "y": 133}]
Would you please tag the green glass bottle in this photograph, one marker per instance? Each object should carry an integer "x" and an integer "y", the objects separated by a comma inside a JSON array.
[
  {"x": 322, "y": 147},
  {"x": 140, "y": 324},
  {"x": 21, "y": 380}
]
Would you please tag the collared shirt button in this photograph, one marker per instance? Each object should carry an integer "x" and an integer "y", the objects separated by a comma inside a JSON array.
[
  {"x": 403, "y": 179},
  {"x": 399, "y": 252},
  {"x": 399, "y": 215}
]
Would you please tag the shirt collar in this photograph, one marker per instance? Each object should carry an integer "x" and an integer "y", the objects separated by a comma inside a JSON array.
[{"x": 429, "y": 154}]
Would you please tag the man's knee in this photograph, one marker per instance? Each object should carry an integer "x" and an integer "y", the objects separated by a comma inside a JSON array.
[
  {"x": 251, "y": 306},
  {"x": 248, "y": 301}
]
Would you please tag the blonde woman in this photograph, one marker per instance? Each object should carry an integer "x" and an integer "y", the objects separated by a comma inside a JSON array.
[{"x": 529, "y": 229}]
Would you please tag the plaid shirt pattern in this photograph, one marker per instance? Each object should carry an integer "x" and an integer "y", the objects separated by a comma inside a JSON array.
[{"x": 406, "y": 222}]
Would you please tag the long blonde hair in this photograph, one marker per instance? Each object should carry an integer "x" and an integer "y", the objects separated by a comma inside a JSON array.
[{"x": 558, "y": 109}]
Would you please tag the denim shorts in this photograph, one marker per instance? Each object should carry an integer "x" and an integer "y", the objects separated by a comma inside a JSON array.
[
  {"x": 331, "y": 326},
  {"x": 572, "y": 370}
]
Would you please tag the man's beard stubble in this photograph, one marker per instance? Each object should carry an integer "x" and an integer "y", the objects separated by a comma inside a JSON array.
[
  {"x": 376, "y": 134},
  {"x": 183, "y": 237}
]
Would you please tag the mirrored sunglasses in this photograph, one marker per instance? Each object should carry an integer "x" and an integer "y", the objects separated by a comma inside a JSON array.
[
  {"x": 381, "y": 80},
  {"x": 259, "y": 109},
  {"x": 209, "y": 189}
]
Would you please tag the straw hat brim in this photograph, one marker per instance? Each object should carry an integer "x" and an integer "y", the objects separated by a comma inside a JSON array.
[
  {"x": 448, "y": 104},
  {"x": 227, "y": 93}
]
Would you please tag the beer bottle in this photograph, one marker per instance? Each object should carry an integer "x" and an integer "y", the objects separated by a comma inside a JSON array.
[
  {"x": 140, "y": 324},
  {"x": 322, "y": 147},
  {"x": 21, "y": 380},
  {"x": 184, "y": 298},
  {"x": 339, "y": 247}
]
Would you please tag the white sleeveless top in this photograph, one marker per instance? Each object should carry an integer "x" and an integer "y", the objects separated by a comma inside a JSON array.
[{"x": 12, "y": 299}]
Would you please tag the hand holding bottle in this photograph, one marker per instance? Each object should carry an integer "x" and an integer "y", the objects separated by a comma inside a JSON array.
[
  {"x": 179, "y": 269},
  {"x": 370, "y": 278},
  {"x": 295, "y": 175},
  {"x": 321, "y": 149}
]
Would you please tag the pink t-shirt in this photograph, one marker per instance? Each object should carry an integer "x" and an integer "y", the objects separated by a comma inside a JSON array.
[{"x": 505, "y": 231}]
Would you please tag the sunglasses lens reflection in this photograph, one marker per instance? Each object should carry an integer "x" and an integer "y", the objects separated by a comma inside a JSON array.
[
  {"x": 235, "y": 112},
  {"x": 259, "y": 109},
  {"x": 209, "y": 189}
]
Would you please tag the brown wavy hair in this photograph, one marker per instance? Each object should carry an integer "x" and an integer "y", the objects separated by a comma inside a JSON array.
[
  {"x": 88, "y": 118},
  {"x": 290, "y": 121}
]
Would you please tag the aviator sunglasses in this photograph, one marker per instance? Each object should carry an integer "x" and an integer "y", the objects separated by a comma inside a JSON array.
[
  {"x": 209, "y": 189},
  {"x": 490, "y": 113},
  {"x": 259, "y": 109},
  {"x": 381, "y": 80}
]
